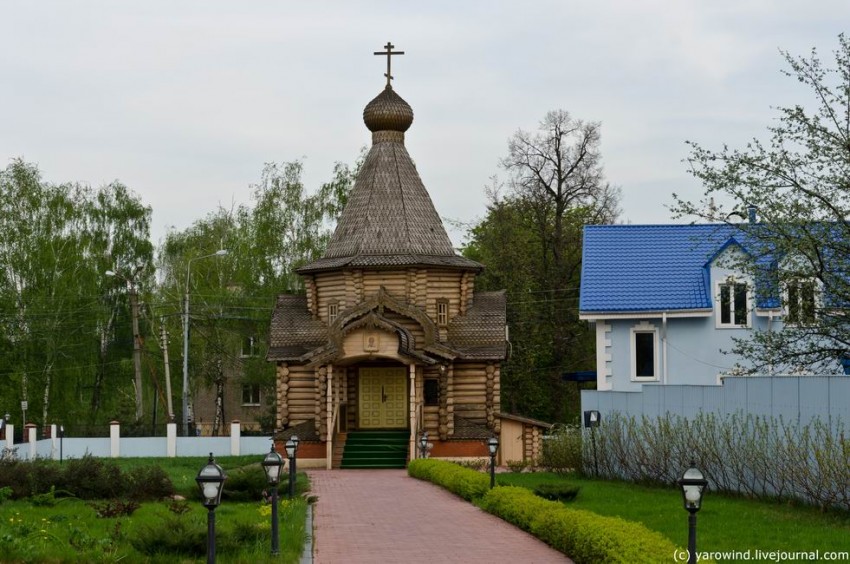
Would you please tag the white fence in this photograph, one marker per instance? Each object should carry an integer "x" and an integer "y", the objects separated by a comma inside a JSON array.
[{"x": 115, "y": 446}]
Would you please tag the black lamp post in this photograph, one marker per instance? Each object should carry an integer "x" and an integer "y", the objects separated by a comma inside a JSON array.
[
  {"x": 693, "y": 484},
  {"x": 295, "y": 440},
  {"x": 423, "y": 445},
  {"x": 291, "y": 450},
  {"x": 211, "y": 481},
  {"x": 271, "y": 465},
  {"x": 61, "y": 439},
  {"x": 493, "y": 446}
]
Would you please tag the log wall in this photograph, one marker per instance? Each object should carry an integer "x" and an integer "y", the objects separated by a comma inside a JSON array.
[
  {"x": 354, "y": 286},
  {"x": 533, "y": 442},
  {"x": 331, "y": 287},
  {"x": 394, "y": 282},
  {"x": 296, "y": 394},
  {"x": 320, "y": 405}
]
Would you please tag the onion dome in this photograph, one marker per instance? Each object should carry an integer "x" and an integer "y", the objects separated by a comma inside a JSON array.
[{"x": 388, "y": 112}]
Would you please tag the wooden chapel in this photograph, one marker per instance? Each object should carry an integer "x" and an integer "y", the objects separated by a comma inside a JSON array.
[{"x": 390, "y": 339}]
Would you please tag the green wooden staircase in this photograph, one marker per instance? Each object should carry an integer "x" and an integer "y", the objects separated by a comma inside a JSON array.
[{"x": 375, "y": 449}]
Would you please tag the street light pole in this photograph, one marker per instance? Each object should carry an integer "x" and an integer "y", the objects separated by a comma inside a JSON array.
[{"x": 220, "y": 252}]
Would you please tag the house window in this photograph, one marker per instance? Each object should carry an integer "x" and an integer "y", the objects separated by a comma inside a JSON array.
[
  {"x": 800, "y": 302},
  {"x": 732, "y": 304},
  {"x": 432, "y": 392},
  {"x": 249, "y": 347},
  {"x": 644, "y": 352},
  {"x": 333, "y": 311},
  {"x": 250, "y": 394},
  {"x": 442, "y": 312}
]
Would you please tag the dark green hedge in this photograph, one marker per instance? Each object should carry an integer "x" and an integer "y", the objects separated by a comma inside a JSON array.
[{"x": 583, "y": 536}]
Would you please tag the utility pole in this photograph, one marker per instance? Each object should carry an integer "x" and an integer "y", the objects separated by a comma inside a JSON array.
[
  {"x": 133, "y": 295},
  {"x": 137, "y": 349},
  {"x": 163, "y": 343}
]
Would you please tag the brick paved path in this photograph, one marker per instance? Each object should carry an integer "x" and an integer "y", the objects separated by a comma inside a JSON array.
[{"x": 378, "y": 516}]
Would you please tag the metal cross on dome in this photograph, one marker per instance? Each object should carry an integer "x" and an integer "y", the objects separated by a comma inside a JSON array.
[{"x": 389, "y": 53}]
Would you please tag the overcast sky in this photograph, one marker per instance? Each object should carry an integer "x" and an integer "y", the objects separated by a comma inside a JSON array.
[{"x": 185, "y": 101}]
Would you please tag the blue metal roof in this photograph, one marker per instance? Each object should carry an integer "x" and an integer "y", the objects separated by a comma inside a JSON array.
[{"x": 639, "y": 268}]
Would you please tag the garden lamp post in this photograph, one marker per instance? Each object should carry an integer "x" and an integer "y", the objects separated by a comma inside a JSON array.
[
  {"x": 219, "y": 253},
  {"x": 693, "y": 484},
  {"x": 293, "y": 466},
  {"x": 423, "y": 445},
  {"x": 271, "y": 465},
  {"x": 211, "y": 483},
  {"x": 291, "y": 451},
  {"x": 61, "y": 440},
  {"x": 492, "y": 446}
]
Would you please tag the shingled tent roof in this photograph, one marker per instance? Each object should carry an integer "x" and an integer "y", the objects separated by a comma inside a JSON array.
[{"x": 389, "y": 220}]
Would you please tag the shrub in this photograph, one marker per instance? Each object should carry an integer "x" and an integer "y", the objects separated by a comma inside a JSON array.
[
  {"x": 760, "y": 457},
  {"x": 174, "y": 535},
  {"x": 113, "y": 508},
  {"x": 178, "y": 506},
  {"x": 582, "y": 535},
  {"x": 466, "y": 483},
  {"x": 517, "y": 465},
  {"x": 562, "y": 449},
  {"x": 5, "y": 493},
  {"x": 148, "y": 483},
  {"x": 28, "y": 478},
  {"x": 248, "y": 483},
  {"x": 477, "y": 464},
  {"x": 93, "y": 478},
  {"x": 556, "y": 492}
]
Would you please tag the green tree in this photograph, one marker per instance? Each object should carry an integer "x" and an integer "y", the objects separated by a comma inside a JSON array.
[
  {"x": 57, "y": 307},
  {"x": 530, "y": 242},
  {"x": 281, "y": 228},
  {"x": 799, "y": 182}
]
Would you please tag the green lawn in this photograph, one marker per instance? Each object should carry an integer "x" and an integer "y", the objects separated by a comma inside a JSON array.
[
  {"x": 70, "y": 531},
  {"x": 724, "y": 524},
  {"x": 183, "y": 470}
]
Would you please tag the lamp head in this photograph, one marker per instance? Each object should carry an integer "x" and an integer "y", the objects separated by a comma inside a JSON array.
[
  {"x": 693, "y": 485},
  {"x": 492, "y": 445},
  {"x": 210, "y": 481},
  {"x": 290, "y": 448},
  {"x": 271, "y": 466}
]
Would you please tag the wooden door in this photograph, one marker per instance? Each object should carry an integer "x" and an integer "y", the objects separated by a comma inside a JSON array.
[{"x": 383, "y": 398}]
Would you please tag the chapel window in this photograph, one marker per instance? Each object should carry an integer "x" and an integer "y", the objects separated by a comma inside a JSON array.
[{"x": 442, "y": 312}]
